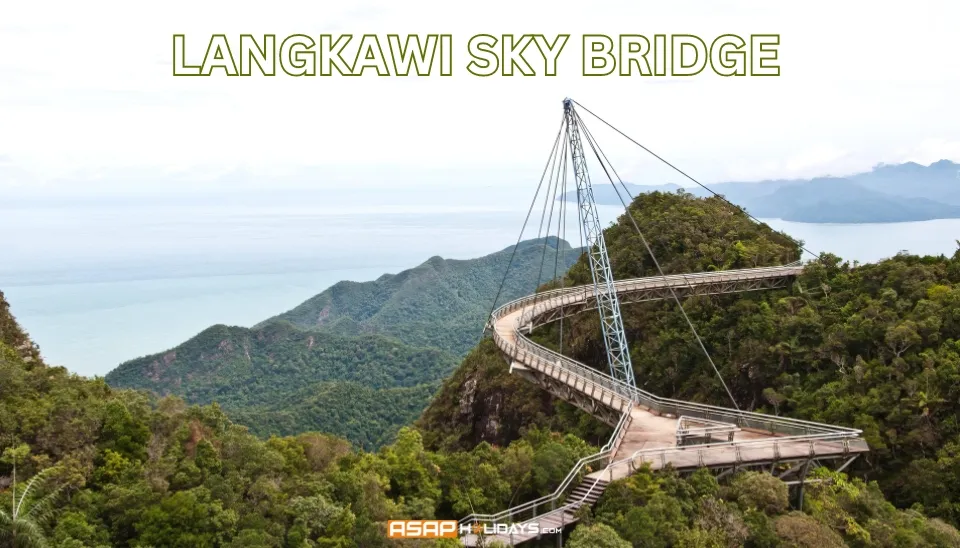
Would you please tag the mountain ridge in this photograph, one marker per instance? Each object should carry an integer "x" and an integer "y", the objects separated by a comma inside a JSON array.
[
  {"x": 461, "y": 291},
  {"x": 407, "y": 331},
  {"x": 888, "y": 193},
  {"x": 265, "y": 368}
]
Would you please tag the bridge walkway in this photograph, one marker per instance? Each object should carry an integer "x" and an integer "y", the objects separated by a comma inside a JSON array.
[{"x": 646, "y": 426}]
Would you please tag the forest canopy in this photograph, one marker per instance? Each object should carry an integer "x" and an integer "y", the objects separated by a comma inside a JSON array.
[{"x": 871, "y": 346}]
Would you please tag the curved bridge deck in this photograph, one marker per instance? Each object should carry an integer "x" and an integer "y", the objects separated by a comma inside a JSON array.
[{"x": 647, "y": 425}]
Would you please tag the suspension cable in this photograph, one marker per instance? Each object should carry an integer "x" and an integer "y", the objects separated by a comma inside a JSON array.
[
  {"x": 546, "y": 195},
  {"x": 555, "y": 183},
  {"x": 681, "y": 172},
  {"x": 563, "y": 273},
  {"x": 596, "y": 150},
  {"x": 556, "y": 256},
  {"x": 553, "y": 151}
]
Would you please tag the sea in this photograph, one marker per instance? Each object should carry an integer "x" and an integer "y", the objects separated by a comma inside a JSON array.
[{"x": 98, "y": 284}]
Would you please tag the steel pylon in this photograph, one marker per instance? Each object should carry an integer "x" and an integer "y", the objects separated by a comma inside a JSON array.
[{"x": 614, "y": 336}]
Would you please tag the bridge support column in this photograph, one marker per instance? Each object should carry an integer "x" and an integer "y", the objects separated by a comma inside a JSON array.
[{"x": 802, "y": 477}]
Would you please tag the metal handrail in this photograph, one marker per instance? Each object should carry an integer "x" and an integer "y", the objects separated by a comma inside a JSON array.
[
  {"x": 708, "y": 423},
  {"x": 570, "y": 505},
  {"x": 510, "y": 306},
  {"x": 743, "y": 274},
  {"x": 606, "y": 451},
  {"x": 823, "y": 431},
  {"x": 654, "y": 403},
  {"x": 654, "y": 282},
  {"x": 706, "y": 427},
  {"x": 738, "y": 444}
]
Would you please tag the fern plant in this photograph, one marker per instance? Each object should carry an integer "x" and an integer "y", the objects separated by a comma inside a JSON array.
[{"x": 22, "y": 525}]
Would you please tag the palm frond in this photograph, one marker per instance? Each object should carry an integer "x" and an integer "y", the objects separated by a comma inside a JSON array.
[
  {"x": 26, "y": 515},
  {"x": 29, "y": 534},
  {"x": 26, "y": 491},
  {"x": 6, "y": 523},
  {"x": 42, "y": 509}
]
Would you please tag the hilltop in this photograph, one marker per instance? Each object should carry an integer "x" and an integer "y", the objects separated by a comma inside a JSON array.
[
  {"x": 886, "y": 194},
  {"x": 874, "y": 346},
  {"x": 359, "y": 360},
  {"x": 441, "y": 304},
  {"x": 479, "y": 402},
  {"x": 269, "y": 377}
]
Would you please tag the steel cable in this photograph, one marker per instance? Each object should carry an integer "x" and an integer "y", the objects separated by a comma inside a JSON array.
[{"x": 593, "y": 145}]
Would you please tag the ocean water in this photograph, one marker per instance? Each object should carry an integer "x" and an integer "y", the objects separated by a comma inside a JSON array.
[{"x": 98, "y": 285}]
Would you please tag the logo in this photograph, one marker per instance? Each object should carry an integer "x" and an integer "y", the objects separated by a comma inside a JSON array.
[
  {"x": 439, "y": 528},
  {"x": 432, "y": 528}
]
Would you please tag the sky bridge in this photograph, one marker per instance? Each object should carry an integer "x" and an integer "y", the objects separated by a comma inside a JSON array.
[{"x": 648, "y": 430}]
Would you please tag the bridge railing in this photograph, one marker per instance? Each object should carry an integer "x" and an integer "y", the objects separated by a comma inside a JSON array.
[
  {"x": 532, "y": 509},
  {"x": 689, "y": 428},
  {"x": 546, "y": 301},
  {"x": 746, "y": 451},
  {"x": 548, "y": 361},
  {"x": 551, "y": 360},
  {"x": 744, "y": 274}
]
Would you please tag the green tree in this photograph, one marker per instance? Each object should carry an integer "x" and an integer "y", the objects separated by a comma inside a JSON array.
[
  {"x": 123, "y": 433},
  {"x": 798, "y": 530},
  {"x": 316, "y": 519},
  {"x": 73, "y": 530},
  {"x": 187, "y": 519},
  {"x": 761, "y": 491},
  {"x": 596, "y": 536},
  {"x": 413, "y": 475}
]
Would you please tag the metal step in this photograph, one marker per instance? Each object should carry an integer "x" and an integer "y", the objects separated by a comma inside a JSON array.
[{"x": 553, "y": 521}]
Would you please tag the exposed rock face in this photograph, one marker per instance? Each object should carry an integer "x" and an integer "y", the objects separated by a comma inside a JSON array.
[
  {"x": 481, "y": 402},
  {"x": 467, "y": 396},
  {"x": 14, "y": 337}
]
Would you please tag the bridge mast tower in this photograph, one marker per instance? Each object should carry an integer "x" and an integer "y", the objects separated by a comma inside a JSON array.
[{"x": 615, "y": 338}]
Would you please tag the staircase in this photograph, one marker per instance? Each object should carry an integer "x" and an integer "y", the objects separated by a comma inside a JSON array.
[{"x": 587, "y": 493}]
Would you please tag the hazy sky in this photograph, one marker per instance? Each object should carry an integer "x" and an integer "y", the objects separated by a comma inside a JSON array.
[{"x": 87, "y": 94}]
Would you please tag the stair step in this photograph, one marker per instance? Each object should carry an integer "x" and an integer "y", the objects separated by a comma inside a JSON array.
[
  {"x": 587, "y": 493},
  {"x": 582, "y": 500},
  {"x": 583, "y": 490},
  {"x": 597, "y": 488},
  {"x": 588, "y": 500}
]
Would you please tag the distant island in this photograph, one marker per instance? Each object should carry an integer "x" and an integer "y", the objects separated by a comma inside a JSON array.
[{"x": 886, "y": 194}]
